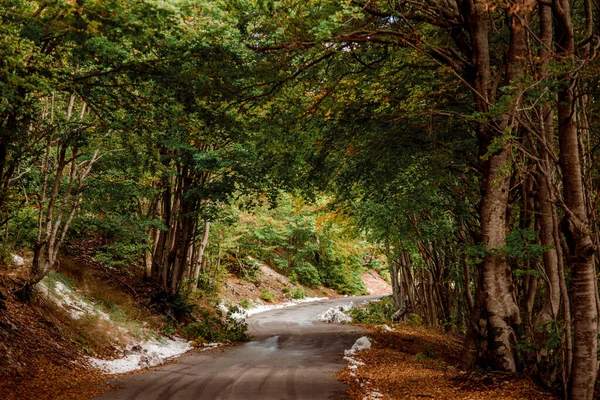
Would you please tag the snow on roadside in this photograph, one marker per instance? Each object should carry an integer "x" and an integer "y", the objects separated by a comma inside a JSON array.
[
  {"x": 261, "y": 307},
  {"x": 144, "y": 355},
  {"x": 137, "y": 354},
  {"x": 354, "y": 362},
  {"x": 336, "y": 315}
]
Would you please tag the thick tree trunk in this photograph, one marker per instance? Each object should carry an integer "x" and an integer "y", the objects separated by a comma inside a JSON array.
[
  {"x": 500, "y": 311},
  {"x": 499, "y": 304},
  {"x": 576, "y": 228},
  {"x": 580, "y": 258},
  {"x": 545, "y": 191}
]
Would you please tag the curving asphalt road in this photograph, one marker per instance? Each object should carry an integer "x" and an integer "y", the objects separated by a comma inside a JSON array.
[{"x": 291, "y": 357}]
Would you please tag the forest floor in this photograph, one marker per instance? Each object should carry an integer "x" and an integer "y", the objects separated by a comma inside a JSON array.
[{"x": 420, "y": 363}]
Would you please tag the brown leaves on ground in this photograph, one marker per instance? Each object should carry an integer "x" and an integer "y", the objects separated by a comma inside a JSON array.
[
  {"x": 420, "y": 363},
  {"x": 39, "y": 358}
]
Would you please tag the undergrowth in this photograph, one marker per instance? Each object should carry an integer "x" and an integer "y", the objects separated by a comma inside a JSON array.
[
  {"x": 217, "y": 328},
  {"x": 267, "y": 295},
  {"x": 378, "y": 312}
]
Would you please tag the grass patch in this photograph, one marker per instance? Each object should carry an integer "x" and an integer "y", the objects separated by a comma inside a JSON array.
[
  {"x": 245, "y": 303},
  {"x": 267, "y": 296},
  {"x": 298, "y": 293},
  {"x": 54, "y": 277}
]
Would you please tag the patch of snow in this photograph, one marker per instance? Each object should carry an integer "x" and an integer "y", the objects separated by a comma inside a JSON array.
[
  {"x": 18, "y": 260},
  {"x": 71, "y": 301},
  {"x": 372, "y": 396},
  {"x": 336, "y": 315},
  {"x": 386, "y": 328},
  {"x": 136, "y": 355},
  {"x": 361, "y": 343},
  {"x": 208, "y": 346},
  {"x": 144, "y": 355}
]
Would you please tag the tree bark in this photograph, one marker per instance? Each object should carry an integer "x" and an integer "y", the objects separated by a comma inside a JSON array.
[{"x": 575, "y": 225}]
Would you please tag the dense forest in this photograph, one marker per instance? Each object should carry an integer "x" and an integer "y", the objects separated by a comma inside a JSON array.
[{"x": 453, "y": 140}]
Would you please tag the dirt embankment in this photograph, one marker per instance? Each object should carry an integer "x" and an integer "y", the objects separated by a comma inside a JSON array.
[
  {"x": 39, "y": 355},
  {"x": 375, "y": 284},
  {"x": 236, "y": 290}
]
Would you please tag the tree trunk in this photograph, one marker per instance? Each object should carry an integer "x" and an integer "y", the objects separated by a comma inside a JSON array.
[
  {"x": 580, "y": 257},
  {"x": 201, "y": 249}
]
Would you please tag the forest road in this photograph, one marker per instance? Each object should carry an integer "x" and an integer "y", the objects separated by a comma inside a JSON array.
[{"x": 292, "y": 356}]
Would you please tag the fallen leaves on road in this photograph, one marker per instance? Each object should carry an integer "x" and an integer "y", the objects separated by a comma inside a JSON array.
[{"x": 420, "y": 363}]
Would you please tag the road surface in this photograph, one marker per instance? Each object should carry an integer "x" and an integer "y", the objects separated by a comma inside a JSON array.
[{"x": 291, "y": 357}]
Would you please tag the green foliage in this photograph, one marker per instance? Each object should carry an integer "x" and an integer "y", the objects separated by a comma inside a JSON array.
[
  {"x": 245, "y": 303},
  {"x": 180, "y": 306},
  {"x": 217, "y": 328},
  {"x": 298, "y": 293},
  {"x": 375, "y": 312},
  {"x": 307, "y": 274},
  {"x": 311, "y": 243},
  {"x": 521, "y": 246},
  {"x": 267, "y": 295}
]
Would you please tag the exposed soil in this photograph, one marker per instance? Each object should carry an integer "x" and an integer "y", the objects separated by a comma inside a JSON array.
[
  {"x": 236, "y": 289},
  {"x": 420, "y": 363},
  {"x": 375, "y": 284}
]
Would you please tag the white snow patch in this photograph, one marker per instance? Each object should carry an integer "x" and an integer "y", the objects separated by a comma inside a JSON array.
[
  {"x": 208, "y": 346},
  {"x": 336, "y": 315},
  {"x": 18, "y": 260},
  {"x": 372, "y": 396},
  {"x": 145, "y": 355},
  {"x": 71, "y": 301},
  {"x": 386, "y": 328},
  {"x": 361, "y": 343}
]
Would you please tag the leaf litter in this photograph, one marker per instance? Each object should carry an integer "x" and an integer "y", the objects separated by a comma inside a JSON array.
[{"x": 420, "y": 363}]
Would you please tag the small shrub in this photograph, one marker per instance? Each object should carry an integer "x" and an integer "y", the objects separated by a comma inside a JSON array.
[
  {"x": 374, "y": 313},
  {"x": 308, "y": 274},
  {"x": 298, "y": 293},
  {"x": 245, "y": 303},
  {"x": 267, "y": 295},
  {"x": 168, "y": 328},
  {"x": 217, "y": 329}
]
